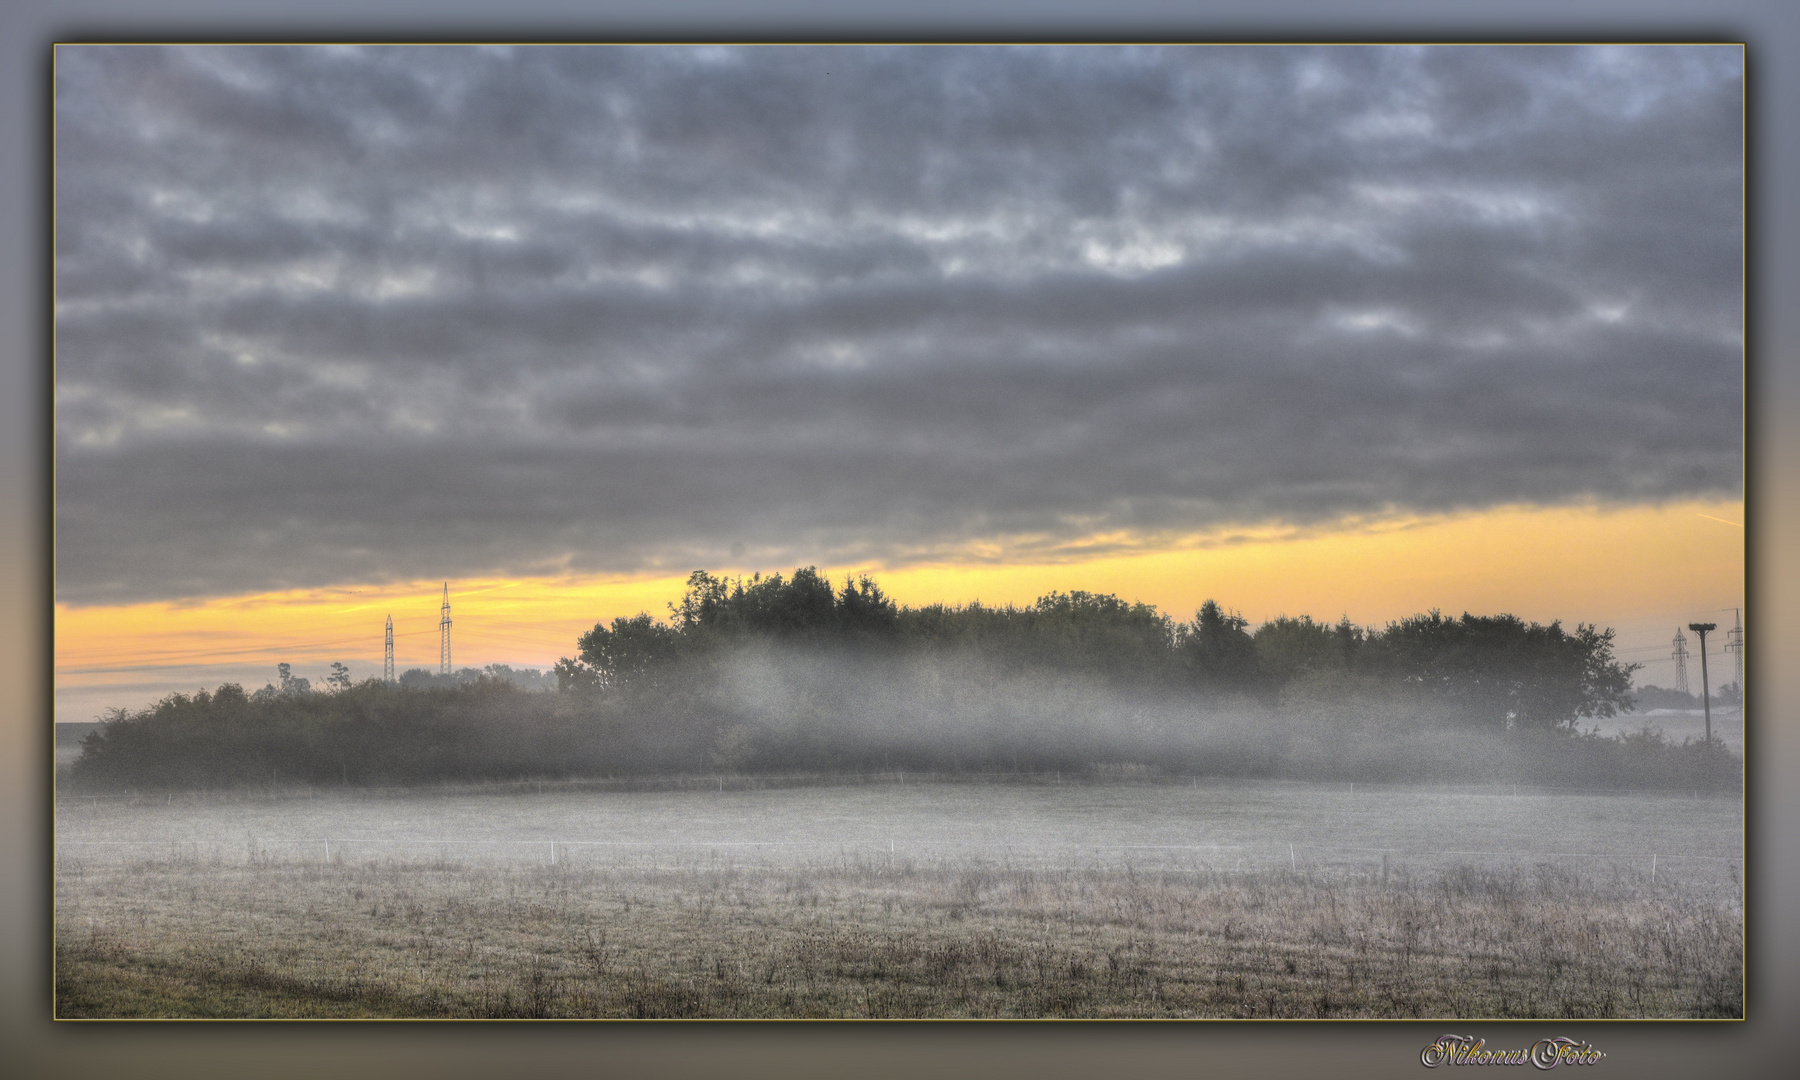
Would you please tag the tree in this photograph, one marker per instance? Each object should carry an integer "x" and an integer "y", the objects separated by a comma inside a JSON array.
[
  {"x": 1501, "y": 672},
  {"x": 804, "y": 606},
  {"x": 634, "y": 650},
  {"x": 705, "y": 602},
  {"x": 1220, "y": 654},
  {"x": 1097, "y": 632},
  {"x": 339, "y": 679},
  {"x": 801, "y": 607},
  {"x": 1287, "y": 647},
  {"x": 865, "y": 611},
  {"x": 574, "y": 676},
  {"x": 287, "y": 684}
]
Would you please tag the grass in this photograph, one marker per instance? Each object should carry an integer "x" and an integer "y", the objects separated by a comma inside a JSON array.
[{"x": 883, "y": 937}]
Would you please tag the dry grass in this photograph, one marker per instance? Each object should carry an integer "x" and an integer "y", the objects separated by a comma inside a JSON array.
[{"x": 882, "y": 938}]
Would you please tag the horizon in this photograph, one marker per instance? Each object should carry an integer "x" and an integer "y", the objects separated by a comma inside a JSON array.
[{"x": 492, "y": 631}]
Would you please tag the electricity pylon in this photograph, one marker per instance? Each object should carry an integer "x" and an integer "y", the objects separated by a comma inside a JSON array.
[
  {"x": 1680, "y": 656},
  {"x": 444, "y": 632},
  {"x": 387, "y": 665},
  {"x": 1734, "y": 643}
]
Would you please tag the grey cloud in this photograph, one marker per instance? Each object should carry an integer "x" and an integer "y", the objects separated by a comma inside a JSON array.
[{"x": 333, "y": 314}]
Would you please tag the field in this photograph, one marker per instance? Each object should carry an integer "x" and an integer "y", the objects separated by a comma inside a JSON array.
[
  {"x": 1676, "y": 725},
  {"x": 1125, "y": 899}
]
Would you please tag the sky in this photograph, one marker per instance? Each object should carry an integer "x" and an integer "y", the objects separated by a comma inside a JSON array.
[{"x": 1339, "y": 330}]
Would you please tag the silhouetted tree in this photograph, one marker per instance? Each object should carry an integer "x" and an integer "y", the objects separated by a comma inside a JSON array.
[
  {"x": 1220, "y": 654},
  {"x": 635, "y": 650},
  {"x": 864, "y": 611},
  {"x": 1499, "y": 671},
  {"x": 1288, "y": 647}
]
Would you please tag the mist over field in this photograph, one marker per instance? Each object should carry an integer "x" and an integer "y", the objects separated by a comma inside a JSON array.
[
  {"x": 1232, "y": 899},
  {"x": 780, "y": 708},
  {"x": 767, "y": 710},
  {"x": 1217, "y": 823}
]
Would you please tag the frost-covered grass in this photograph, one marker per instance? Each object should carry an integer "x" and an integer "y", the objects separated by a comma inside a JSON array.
[{"x": 940, "y": 901}]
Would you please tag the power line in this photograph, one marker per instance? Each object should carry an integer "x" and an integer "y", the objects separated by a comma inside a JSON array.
[{"x": 207, "y": 654}]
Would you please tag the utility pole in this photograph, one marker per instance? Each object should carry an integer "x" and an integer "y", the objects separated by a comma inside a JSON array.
[
  {"x": 387, "y": 665},
  {"x": 1680, "y": 656},
  {"x": 444, "y": 634},
  {"x": 1705, "y": 691}
]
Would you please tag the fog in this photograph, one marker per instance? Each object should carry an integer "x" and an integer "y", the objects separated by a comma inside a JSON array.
[
  {"x": 963, "y": 708},
  {"x": 1676, "y": 725},
  {"x": 765, "y": 708},
  {"x": 1212, "y": 824}
]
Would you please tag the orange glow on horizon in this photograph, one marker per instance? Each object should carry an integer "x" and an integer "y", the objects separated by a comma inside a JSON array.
[
  {"x": 1587, "y": 564},
  {"x": 1581, "y": 564}
]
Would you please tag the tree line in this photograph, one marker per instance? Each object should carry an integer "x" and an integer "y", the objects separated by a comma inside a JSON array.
[
  {"x": 1495, "y": 671},
  {"x": 785, "y": 673},
  {"x": 1645, "y": 698},
  {"x": 287, "y": 684}
]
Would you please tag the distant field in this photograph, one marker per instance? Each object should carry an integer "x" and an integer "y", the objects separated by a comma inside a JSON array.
[
  {"x": 1239, "y": 899},
  {"x": 1677, "y": 725}
]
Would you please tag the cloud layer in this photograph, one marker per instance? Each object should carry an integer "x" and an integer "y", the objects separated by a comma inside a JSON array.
[{"x": 332, "y": 314}]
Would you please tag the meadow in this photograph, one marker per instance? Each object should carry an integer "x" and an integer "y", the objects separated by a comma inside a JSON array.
[{"x": 902, "y": 897}]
